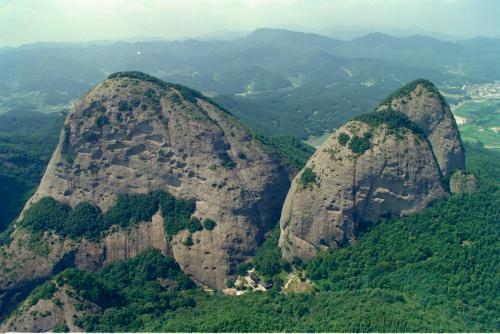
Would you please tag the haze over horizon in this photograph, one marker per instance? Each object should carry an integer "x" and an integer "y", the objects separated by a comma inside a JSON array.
[{"x": 29, "y": 21}]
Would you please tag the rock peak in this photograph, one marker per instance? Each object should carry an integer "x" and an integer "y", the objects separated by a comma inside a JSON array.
[
  {"x": 406, "y": 91},
  {"x": 385, "y": 163},
  {"x": 423, "y": 104},
  {"x": 136, "y": 134}
]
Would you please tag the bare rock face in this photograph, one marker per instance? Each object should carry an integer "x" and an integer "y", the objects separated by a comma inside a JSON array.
[
  {"x": 349, "y": 190},
  {"x": 122, "y": 244},
  {"x": 386, "y": 163},
  {"x": 136, "y": 134},
  {"x": 422, "y": 103}
]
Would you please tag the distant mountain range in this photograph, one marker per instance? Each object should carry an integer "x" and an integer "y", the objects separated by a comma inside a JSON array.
[{"x": 271, "y": 76}]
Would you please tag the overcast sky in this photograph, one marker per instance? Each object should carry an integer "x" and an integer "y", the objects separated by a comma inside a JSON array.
[{"x": 27, "y": 21}]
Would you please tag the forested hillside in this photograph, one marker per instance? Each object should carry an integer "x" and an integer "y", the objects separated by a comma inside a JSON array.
[
  {"x": 427, "y": 272},
  {"x": 27, "y": 140}
]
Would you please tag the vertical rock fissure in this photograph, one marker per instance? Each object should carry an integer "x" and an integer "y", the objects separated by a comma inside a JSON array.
[
  {"x": 436, "y": 161},
  {"x": 353, "y": 191},
  {"x": 370, "y": 190}
]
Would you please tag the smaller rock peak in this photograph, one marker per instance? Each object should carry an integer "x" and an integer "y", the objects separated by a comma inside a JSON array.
[
  {"x": 424, "y": 105},
  {"x": 463, "y": 183},
  {"x": 373, "y": 167}
]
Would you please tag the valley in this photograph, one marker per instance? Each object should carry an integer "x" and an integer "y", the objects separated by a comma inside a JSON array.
[
  {"x": 273, "y": 79},
  {"x": 29, "y": 101}
]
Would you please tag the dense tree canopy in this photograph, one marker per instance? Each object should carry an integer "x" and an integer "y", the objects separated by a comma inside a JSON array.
[
  {"x": 409, "y": 87},
  {"x": 27, "y": 140},
  {"x": 87, "y": 220},
  {"x": 267, "y": 259},
  {"x": 394, "y": 120},
  {"x": 129, "y": 292}
]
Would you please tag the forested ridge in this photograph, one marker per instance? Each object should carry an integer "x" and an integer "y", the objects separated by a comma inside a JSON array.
[{"x": 86, "y": 220}]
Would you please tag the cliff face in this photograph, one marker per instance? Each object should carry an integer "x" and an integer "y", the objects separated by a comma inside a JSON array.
[
  {"x": 387, "y": 163},
  {"x": 29, "y": 260},
  {"x": 136, "y": 134},
  {"x": 122, "y": 244},
  {"x": 423, "y": 104}
]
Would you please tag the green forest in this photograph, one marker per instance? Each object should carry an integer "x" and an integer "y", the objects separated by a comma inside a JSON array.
[
  {"x": 426, "y": 272},
  {"x": 27, "y": 140},
  {"x": 88, "y": 221}
]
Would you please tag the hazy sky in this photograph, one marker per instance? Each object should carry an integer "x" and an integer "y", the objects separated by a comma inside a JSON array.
[{"x": 26, "y": 21}]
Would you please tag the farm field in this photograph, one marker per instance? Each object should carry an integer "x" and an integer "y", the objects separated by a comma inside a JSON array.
[{"x": 479, "y": 121}]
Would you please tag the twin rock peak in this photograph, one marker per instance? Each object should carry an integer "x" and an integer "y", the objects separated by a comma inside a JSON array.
[{"x": 134, "y": 133}]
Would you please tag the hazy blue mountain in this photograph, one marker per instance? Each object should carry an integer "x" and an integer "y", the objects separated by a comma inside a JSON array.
[
  {"x": 225, "y": 35},
  {"x": 414, "y": 50},
  {"x": 479, "y": 44},
  {"x": 269, "y": 77},
  {"x": 290, "y": 39}
]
